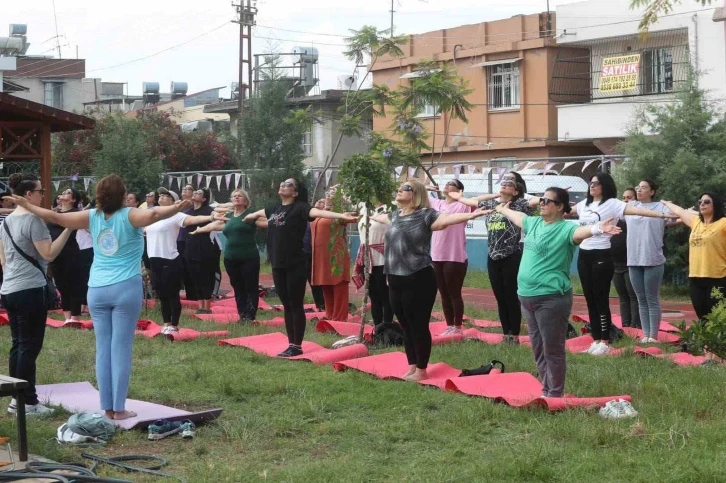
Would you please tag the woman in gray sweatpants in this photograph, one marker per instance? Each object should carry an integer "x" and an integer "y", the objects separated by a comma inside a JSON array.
[{"x": 544, "y": 280}]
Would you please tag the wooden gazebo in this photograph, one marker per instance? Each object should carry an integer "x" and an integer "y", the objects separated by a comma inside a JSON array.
[{"x": 25, "y": 129}]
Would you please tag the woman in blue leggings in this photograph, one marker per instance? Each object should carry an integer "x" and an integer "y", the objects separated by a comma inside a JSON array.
[{"x": 114, "y": 288}]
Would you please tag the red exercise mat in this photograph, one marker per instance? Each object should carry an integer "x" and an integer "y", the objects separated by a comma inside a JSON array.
[
  {"x": 524, "y": 340},
  {"x": 276, "y": 342},
  {"x": 578, "y": 345},
  {"x": 514, "y": 388},
  {"x": 274, "y": 322},
  {"x": 263, "y": 305},
  {"x": 189, "y": 303},
  {"x": 150, "y": 329},
  {"x": 223, "y": 309},
  {"x": 314, "y": 316},
  {"x": 393, "y": 365},
  {"x": 664, "y": 337},
  {"x": 344, "y": 328},
  {"x": 486, "y": 337},
  {"x": 436, "y": 328},
  {"x": 486, "y": 324},
  {"x": 218, "y": 318},
  {"x": 554, "y": 404},
  {"x": 60, "y": 324},
  {"x": 225, "y": 303},
  {"x": 678, "y": 358}
]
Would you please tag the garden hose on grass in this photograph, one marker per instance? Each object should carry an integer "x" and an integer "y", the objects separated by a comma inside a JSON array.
[{"x": 38, "y": 470}]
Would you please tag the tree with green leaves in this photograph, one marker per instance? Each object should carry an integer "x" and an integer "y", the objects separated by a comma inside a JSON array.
[
  {"x": 269, "y": 137},
  {"x": 123, "y": 150},
  {"x": 682, "y": 146},
  {"x": 655, "y": 8}
]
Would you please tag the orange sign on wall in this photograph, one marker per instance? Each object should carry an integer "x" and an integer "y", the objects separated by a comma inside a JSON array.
[{"x": 620, "y": 73}]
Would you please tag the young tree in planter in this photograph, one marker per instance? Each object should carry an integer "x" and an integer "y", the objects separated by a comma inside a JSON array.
[{"x": 365, "y": 179}]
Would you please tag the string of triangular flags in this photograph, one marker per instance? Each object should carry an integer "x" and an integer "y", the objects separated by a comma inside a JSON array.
[{"x": 223, "y": 181}]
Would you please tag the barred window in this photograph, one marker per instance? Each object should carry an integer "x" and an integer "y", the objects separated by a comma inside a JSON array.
[
  {"x": 504, "y": 86},
  {"x": 657, "y": 71},
  {"x": 306, "y": 143},
  {"x": 429, "y": 110},
  {"x": 53, "y": 94}
]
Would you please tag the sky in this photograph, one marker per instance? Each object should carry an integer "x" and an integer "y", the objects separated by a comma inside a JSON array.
[{"x": 195, "y": 42}]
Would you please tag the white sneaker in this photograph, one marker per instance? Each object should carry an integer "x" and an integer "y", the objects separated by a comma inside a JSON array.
[
  {"x": 350, "y": 340},
  {"x": 644, "y": 340},
  {"x": 627, "y": 408},
  {"x": 456, "y": 331},
  {"x": 449, "y": 331},
  {"x": 602, "y": 349},
  {"x": 31, "y": 409},
  {"x": 612, "y": 410},
  {"x": 592, "y": 347},
  {"x": 652, "y": 340}
]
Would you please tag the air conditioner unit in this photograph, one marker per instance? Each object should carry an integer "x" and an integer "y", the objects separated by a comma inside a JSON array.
[{"x": 347, "y": 82}]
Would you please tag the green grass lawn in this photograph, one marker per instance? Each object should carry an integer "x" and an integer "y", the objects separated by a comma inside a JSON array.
[{"x": 289, "y": 421}]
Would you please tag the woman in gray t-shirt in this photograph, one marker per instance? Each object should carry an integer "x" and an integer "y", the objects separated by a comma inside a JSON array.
[
  {"x": 646, "y": 261},
  {"x": 23, "y": 288},
  {"x": 407, "y": 262}
]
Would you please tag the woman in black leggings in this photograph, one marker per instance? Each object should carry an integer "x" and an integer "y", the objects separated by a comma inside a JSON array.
[
  {"x": 65, "y": 268},
  {"x": 505, "y": 252},
  {"x": 286, "y": 225},
  {"x": 411, "y": 278},
  {"x": 595, "y": 263},
  {"x": 201, "y": 256}
]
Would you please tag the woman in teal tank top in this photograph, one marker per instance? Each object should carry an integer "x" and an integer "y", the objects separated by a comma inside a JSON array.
[{"x": 114, "y": 288}]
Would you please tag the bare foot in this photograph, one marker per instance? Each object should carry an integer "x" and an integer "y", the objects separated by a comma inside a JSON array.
[
  {"x": 108, "y": 413},
  {"x": 411, "y": 370},
  {"x": 418, "y": 375},
  {"x": 119, "y": 415}
]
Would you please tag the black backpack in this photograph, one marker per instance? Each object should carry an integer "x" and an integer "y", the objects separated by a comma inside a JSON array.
[
  {"x": 386, "y": 335},
  {"x": 483, "y": 370}
]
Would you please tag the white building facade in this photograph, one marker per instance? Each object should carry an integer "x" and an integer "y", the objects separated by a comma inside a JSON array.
[{"x": 613, "y": 70}]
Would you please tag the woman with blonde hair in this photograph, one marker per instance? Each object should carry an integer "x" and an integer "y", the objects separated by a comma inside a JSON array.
[
  {"x": 408, "y": 264},
  {"x": 241, "y": 256}
]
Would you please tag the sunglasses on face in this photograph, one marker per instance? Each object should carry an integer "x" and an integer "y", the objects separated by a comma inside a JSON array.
[
  {"x": 703, "y": 202},
  {"x": 507, "y": 184},
  {"x": 41, "y": 191},
  {"x": 67, "y": 192},
  {"x": 199, "y": 192},
  {"x": 406, "y": 187},
  {"x": 287, "y": 184},
  {"x": 451, "y": 183},
  {"x": 545, "y": 201},
  {"x": 594, "y": 184}
]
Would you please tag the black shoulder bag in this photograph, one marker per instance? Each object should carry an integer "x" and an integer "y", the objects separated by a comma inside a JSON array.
[{"x": 49, "y": 292}]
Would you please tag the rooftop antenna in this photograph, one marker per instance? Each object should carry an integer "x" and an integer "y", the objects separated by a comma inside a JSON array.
[{"x": 57, "y": 39}]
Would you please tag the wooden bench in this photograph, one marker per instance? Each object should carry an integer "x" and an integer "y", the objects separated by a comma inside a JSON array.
[{"x": 9, "y": 386}]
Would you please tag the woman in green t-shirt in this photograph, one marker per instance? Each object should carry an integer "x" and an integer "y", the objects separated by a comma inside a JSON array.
[
  {"x": 241, "y": 256},
  {"x": 544, "y": 280}
]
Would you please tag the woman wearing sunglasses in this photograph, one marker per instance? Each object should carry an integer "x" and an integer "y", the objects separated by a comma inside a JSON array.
[
  {"x": 595, "y": 264},
  {"x": 286, "y": 225},
  {"x": 544, "y": 284},
  {"x": 201, "y": 255},
  {"x": 707, "y": 253},
  {"x": 450, "y": 261},
  {"x": 505, "y": 251},
  {"x": 411, "y": 278}
]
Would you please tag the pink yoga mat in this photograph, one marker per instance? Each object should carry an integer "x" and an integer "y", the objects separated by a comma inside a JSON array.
[
  {"x": 344, "y": 329},
  {"x": 437, "y": 328},
  {"x": 263, "y": 305},
  {"x": 679, "y": 358},
  {"x": 190, "y": 303},
  {"x": 578, "y": 345},
  {"x": 486, "y": 337},
  {"x": 515, "y": 388},
  {"x": 314, "y": 316},
  {"x": 223, "y": 309},
  {"x": 150, "y": 329},
  {"x": 274, "y": 343},
  {"x": 486, "y": 324},
  {"x": 79, "y": 397},
  {"x": 664, "y": 337},
  {"x": 274, "y": 322},
  {"x": 218, "y": 318},
  {"x": 60, "y": 324}
]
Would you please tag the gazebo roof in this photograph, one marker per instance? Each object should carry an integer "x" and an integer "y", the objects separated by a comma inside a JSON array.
[{"x": 13, "y": 108}]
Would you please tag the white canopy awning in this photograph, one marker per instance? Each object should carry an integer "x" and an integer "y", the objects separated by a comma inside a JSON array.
[
  {"x": 490, "y": 63},
  {"x": 417, "y": 73}
]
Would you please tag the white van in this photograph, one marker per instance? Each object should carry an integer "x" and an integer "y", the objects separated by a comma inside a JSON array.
[{"x": 537, "y": 182}]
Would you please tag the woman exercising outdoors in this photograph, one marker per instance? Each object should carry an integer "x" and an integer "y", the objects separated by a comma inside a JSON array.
[
  {"x": 411, "y": 278},
  {"x": 707, "y": 250},
  {"x": 448, "y": 253},
  {"x": 286, "y": 225},
  {"x": 595, "y": 263},
  {"x": 544, "y": 284},
  {"x": 505, "y": 251},
  {"x": 115, "y": 288}
]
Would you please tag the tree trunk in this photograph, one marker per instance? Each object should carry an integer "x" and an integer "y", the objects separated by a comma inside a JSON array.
[{"x": 367, "y": 264}]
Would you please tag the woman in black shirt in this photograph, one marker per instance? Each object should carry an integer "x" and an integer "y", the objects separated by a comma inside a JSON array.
[
  {"x": 65, "y": 268},
  {"x": 201, "y": 256},
  {"x": 286, "y": 225}
]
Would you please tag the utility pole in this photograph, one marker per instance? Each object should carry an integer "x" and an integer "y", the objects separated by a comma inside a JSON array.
[
  {"x": 392, "y": 11},
  {"x": 549, "y": 20},
  {"x": 246, "y": 12}
]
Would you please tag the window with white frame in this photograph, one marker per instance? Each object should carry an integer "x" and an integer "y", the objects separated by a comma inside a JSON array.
[
  {"x": 657, "y": 71},
  {"x": 429, "y": 110},
  {"x": 53, "y": 94},
  {"x": 504, "y": 86},
  {"x": 306, "y": 143}
]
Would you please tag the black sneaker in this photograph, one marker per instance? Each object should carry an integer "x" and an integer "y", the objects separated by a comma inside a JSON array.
[{"x": 291, "y": 351}]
